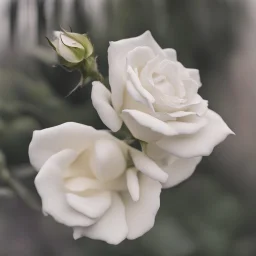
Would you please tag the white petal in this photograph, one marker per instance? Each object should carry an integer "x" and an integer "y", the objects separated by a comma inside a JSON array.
[
  {"x": 137, "y": 84},
  {"x": 147, "y": 72},
  {"x": 101, "y": 100},
  {"x": 111, "y": 228},
  {"x": 170, "y": 54},
  {"x": 139, "y": 56},
  {"x": 191, "y": 88},
  {"x": 107, "y": 160},
  {"x": 194, "y": 74},
  {"x": 57, "y": 34},
  {"x": 181, "y": 114},
  {"x": 140, "y": 215},
  {"x": 82, "y": 184},
  {"x": 154, "y": 152},
  {"x": 50, "y": 141},
  {"x": 147, "y": 166},
  {"x": 179, "y": 169},
  {"x": 134, "y": 94},
  {"x": 93, "y": 206},
  {"x": 145, "y": 127},
  {"x": 117, "y": 53},
  {"x": 133, "y": 183},
  {"x": 201, "y": 143},
  {"x": 49, "y": 184},
  {"x": 67, "y": 53},
  {"x": 189, "y": 124},
  {"x": 200, "y": 108},
  {"x": 70, "y": 42}
]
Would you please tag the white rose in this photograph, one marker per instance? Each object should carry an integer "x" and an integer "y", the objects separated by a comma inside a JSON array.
[
  {"x": 95, "y": 183},
  {"x": 157, "y": 98}
]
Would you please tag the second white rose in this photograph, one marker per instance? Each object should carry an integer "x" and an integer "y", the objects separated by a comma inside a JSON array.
[{"x": 157, "y": 98}]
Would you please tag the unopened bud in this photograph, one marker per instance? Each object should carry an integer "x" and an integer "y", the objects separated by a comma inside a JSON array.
[{"x": 75, "y": 52}]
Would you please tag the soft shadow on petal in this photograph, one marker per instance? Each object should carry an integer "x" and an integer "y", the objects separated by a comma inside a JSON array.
[
  {"x": 133, "y": 183},
  {"x": 139, "y": 56},
  {"x": 49, "y": 184},
  {"x": 179, "y": 169},
  {"x": 117, "y": 53},
  {"x": 107, "y": 160},
  {"x": 93, "y": 206},
  {"x": 147, "y": 166},
  {"x": 146, "y": 127},
  {"x": 201, "y": 143},
  {"x": 140, "y": 215},
  {"x": 101, "y": 100},
  {"x": 50, "y": 141},
  {"x": 144, "y": 94},
  {"x": 188, "y": 125},
  {"x": 112, "y": 227}
]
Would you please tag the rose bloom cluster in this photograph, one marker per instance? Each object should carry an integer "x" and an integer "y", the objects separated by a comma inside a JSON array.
[{"x": 99, "y": 185}]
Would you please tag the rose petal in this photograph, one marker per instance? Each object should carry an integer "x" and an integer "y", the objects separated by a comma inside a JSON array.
[
  {"x": 93, "y": 206},
  {"x": 200, "y": 143},
  {"x": 68, "y": 54},
  {"x": 145, "y": 127},
  {"x": 50, "y": 141},
  {"x": 139, "y": 56},
  {"x": 147, "y": 166},
  {"x": 107, "y": 160},
  {"x": 170, "y": 54},
  {"x": 200, "y": 108},
  {"x": 194, "y": 74},
  {"x": 83, "y": 184},
  {"x": 145, "y": 96},
  {"x": 140, "y": 215},
  {"x": 154, "y": 152},
  {"x": 70, "y": 42},
  {"x": 179, "y": 169},
  {"x": 117, "y": 53},
  {"x": 49, "y": 184},
  {"x": 111, "y": 228},
  {"x": 188, "y": 124},
  {"x": 101, "y": 100},
  {"x": 133, "y": 183}
]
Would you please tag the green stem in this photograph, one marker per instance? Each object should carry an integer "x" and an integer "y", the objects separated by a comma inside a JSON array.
[{"x": 17, "y": 186}]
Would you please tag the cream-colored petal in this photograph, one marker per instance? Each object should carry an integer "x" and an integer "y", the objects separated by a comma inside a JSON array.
[
  {"x": 170, "y": 54},
  {"x": 50, "y": 141},
  {"x": 141, "y": 215},
  {"x": 147, "y": 166},
  {"x": 139, "y": 56},
  {"x": 179, "y": 169},
  {"x": 133, "y": 183},
  {"x": 188, "y": 124},
  {"x": 92, "y": 206},
  {"x": 201, "y": 143},
  {"x": 146, "y": 127},
  {"x": 112, "y": 227},
  {"x": 49, "y": 184},
  {"x": 117, "y": 53},
  {"x": 107, "y": 160},
  {"x": 194, "y": 74},
  {"x": 101, "y": 100}
]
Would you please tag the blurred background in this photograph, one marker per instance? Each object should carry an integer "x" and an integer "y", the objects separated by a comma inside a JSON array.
[{"x": 211, "y": 214}]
